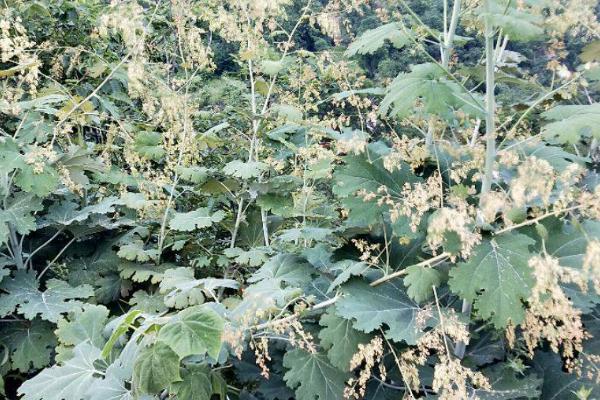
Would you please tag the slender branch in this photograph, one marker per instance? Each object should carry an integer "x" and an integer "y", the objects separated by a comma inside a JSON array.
[
  {"x": 317, "y": 306},
  {"x": 536, "y": 220},
  {"x": 47, "y": 242},
  {"x": 396, "y": 274},
  {"x": 88, "y": 97},
  {"x": 106, "y": 79},
  {"x": 529, "y": 110},
  {"x": 51, "y": 263},
  {"x": 256, "y": 124},
  {"x": 238, "y": 220}
]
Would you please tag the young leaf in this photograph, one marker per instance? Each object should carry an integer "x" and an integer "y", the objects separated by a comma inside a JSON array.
[
  {"x": 126, "y": 322},
  {"x": 591, "y": 52},
  {"x": 253, "y": 257},
  {"x": 312, "y": 376},
  {"x": 194, "y": 331},
  {"x": 135, "y": 251},
  {"x": 496, "y": 278},
  {"x": 271, "y": 67},
  {"x": 143, "y": 272}
]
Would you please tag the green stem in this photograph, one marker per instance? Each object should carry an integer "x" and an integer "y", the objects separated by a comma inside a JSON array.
[
  {"x": 16, "y": 249},
  {"x": 490, "y": 139},
  {"x": 447, "y": 48},
  {"x": 490, "y": 127}
]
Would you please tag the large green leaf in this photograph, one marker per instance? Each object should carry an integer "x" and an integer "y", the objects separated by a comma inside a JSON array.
[
  {"x": 10, "y": 155},
  {"x": 149, "y": 145},
  {"x": 70, "y": 381},
  {"x": 151, "y": 303},
  {"x": 560, "y": 385},
  {"x": 496, "y": 278},
  {"x": 369, "y": 174},
  {"x": 39, "y": 183},
  {"x": 244, "y": 170},
  {"x": 77, "y": 161},
  {"x": 572, "y": 123},
  {"x": 515, "y": 20},
  {"x": 18, "y": 212},
  {"x": 182, "y": 290},
  {"x": 420, "y": 282},
  {"x": 30, "y": 343},
  {"x": 67, "y": 213},
  {"x": 112, "y": 387},
  {"x": 284, "y": 268},
  {"x": 558, "y": 158},
  {"x": 194, "y": 331},
  {"x": 115, "y": 384},
  {"x": 200, "y": 218},
  {"x": 155, "y": 368},
  {"x": 312, "y": 376},
  {"x": 569, "y": 244},
  {"x": 388, "y": 305},
  {"x": 340, "y": 340},
  {"x": 58, "y": 298},
  {"x": 372, "y": 40},
  {"x": 196, "y": 383},
  {"x": 428, "y": 83},
  {"x": 84, "y": 325}
]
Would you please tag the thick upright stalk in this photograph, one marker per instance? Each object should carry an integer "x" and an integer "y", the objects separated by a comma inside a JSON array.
[
  {"x": 15, "y": 247},
  {"x": 490, "y": 104},
  {"x": 255, "y": 126},
  {"x": 238, "y": 220},
  {"x": 447, "y": 49},
  {"x": 490, "y": 137},
  {"x": 449, "y": 39}
]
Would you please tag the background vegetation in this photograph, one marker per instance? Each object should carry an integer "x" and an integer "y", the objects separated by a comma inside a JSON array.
[{"x": 312, "y": 200}]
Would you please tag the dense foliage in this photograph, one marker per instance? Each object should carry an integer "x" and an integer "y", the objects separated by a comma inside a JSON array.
[{"x": 315, "y": 199}]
